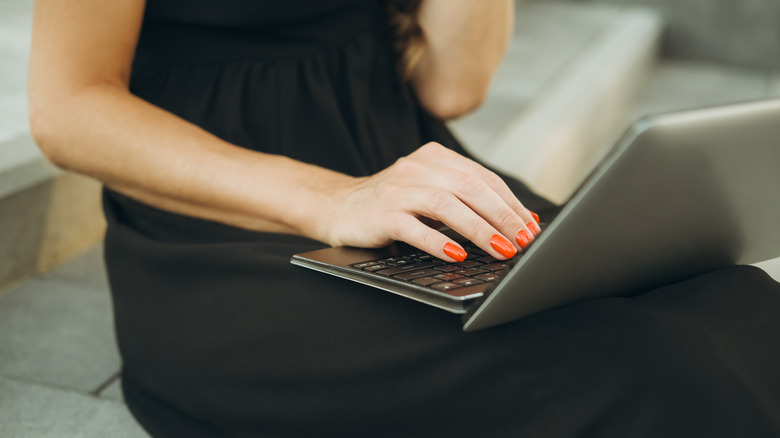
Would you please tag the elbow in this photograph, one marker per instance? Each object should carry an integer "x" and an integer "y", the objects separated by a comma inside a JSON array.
[
  {"x": 43, "y": 132},
  {"x": 39, "y": 128},
  {"x": 451, "y": 102}
]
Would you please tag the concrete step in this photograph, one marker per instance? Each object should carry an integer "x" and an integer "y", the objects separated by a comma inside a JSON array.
[
  {"x": 46, "y": 216},
  {"x": 570, "y": 73}
]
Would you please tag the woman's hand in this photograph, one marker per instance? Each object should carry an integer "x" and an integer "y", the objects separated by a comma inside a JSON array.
[{"x": 434, "y": 183}]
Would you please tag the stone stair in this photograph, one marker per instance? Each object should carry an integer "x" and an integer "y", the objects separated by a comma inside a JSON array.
[{"x": 46, "y": 216}]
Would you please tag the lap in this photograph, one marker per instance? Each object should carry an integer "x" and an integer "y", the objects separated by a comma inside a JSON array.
[{"x": 228, "y": 337}]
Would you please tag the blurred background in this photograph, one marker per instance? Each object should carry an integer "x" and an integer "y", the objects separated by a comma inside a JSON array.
[
  {"x": 577, "y": 74},
  {"x": 733, "y": 32}
]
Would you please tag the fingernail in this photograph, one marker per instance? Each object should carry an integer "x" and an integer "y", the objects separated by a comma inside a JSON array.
[
  {"x": 455, "y": 252},
  {"x": 523, "y": 238},
  {"x": 503, "y": 246},
  {"x": 534, "y": 227},
  {"x": 536, "y": 216}
]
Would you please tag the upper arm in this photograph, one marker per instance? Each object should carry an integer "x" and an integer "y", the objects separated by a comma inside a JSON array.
[
  {"x": 465, "y": 41},
  {"x": 77, "y": 44}
]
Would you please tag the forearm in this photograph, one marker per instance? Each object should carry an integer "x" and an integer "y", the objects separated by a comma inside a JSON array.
[
  {"x": 160, "y": 159},
  {"x": 465, "y": 41}
]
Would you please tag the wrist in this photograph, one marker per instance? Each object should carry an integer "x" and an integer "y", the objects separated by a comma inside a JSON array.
[{"x": 313, "y": 204}]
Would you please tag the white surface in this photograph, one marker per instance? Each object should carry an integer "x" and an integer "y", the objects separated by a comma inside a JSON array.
[
  {"x": 774, "y": 85},
  {"x": 22, "y": 165},
  {"x": 13, "y": 114},
  {"x": 772, "y": 267},
  {"x": 15, "y": 30}
]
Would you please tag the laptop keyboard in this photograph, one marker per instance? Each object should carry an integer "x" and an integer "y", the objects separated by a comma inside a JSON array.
[{"x": 425, "y": 270}]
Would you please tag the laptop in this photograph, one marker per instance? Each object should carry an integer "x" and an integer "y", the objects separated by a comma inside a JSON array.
[{"x": 679, "y": 195}]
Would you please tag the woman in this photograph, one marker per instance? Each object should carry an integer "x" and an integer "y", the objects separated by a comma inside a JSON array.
[{"x": 231, "y": 136}]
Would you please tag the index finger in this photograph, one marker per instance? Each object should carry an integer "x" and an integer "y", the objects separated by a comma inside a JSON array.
[{"x": 462, "y": 164}]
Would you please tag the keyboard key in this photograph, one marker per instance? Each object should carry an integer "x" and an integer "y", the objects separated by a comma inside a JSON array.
[
  {"x": 405, "y": 268},
  {"x": 487, "y": 277},
  {"x": 471, "y": 271},
  {"x": 494, "y": 266},
  {"x": 445, "y": 286},
  {"x": 365, "y": 264},
  {"x": 468, "y": 264},
  {"x": 400, "y": 262},
  {"x": 426, "y": 281},
  {"x": 373, "y": 268},
  {"x": 487, "y": 259},
  {"x": 448, "y": 276},
  {"x": 415, "y": 274},
  {"x": 468, "y": 281},
  {"x": 446, "y": 268}
]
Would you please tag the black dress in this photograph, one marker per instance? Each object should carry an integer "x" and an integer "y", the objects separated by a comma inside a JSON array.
[{"x": 221, "y": 336}]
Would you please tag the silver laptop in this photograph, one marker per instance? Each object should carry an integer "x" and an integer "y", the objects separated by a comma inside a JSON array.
[{"x": 679, "y": 195}]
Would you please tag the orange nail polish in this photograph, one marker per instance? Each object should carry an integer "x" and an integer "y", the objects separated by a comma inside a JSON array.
[
  {"x": 534, "y": 227},
  {"x": 455, "y": 252},
  {"x": 523, "y": 238},
  {"x": 536, "y": 216},
  {"x": 503, "y": 246}
]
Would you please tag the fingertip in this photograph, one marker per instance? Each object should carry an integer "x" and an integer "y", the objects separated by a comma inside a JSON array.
[
  {"x": 503, "y": 246},
  {"x": 454, "y": 252},
  {"x": 524, "y": 238}
]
